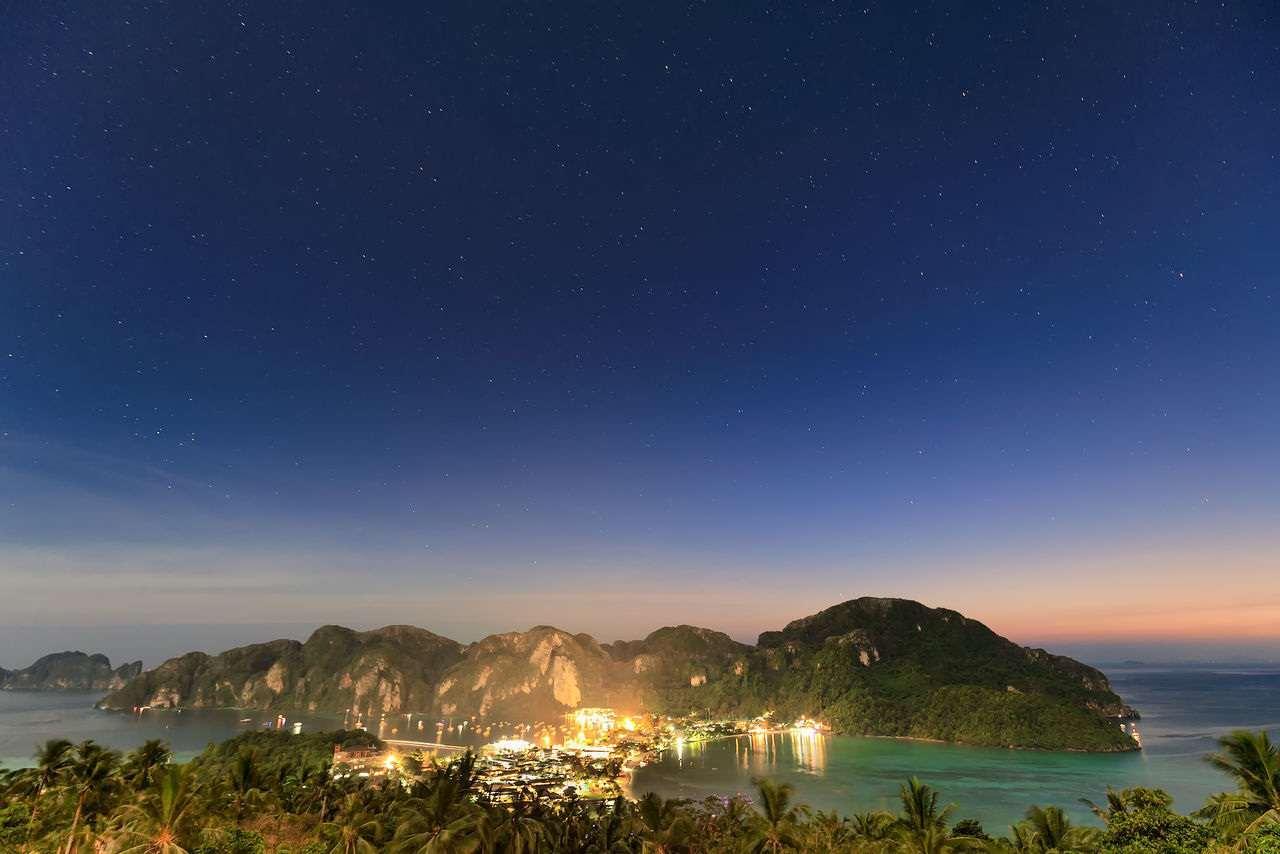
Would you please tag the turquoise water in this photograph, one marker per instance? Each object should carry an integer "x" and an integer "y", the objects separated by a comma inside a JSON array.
[
  {"x": 859, "y": 774},
  {"x": 28, "y": 719},
  {"x": 1184, "y": 709}
]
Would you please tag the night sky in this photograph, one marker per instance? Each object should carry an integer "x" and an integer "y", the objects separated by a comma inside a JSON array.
[{"x": 615, "y": 316}]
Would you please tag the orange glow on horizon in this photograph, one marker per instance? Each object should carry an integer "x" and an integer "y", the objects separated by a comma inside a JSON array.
[{"x": 1211, "y": 621}]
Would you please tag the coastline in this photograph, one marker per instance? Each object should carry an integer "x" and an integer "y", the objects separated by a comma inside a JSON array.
[
  {"x": 1137, "y": 748},
  {"x": 1187, "y": 708},
  {"x": 921, "y": 739}
]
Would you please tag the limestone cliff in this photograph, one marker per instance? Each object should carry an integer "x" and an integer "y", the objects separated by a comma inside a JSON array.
[
  {"x": 387, "y": 669},
  {"x": 676, "y": 658},
  {"x": 540, "y": 673},
  {"x": 868, "y": 666},
  {"x": 69, "y": 671}
]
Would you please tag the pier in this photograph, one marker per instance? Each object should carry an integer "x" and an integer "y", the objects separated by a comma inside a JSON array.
[{"x": 415, "y": 745}]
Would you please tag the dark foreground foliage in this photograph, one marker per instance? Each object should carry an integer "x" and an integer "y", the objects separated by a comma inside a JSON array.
[{"x": 272, "y": 793}]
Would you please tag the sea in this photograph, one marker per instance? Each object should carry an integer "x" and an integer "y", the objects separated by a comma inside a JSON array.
[{"x": 1184, "y": 709}]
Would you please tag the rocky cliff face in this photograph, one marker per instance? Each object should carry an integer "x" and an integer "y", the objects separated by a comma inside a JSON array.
[
  {"x": 540, "y": 673},
  {"x": 69, "y": 671},
  {"x": 676, "y": 658},
  {"x": 387, "y": 669},
  {"x": 871, "y": 666}
]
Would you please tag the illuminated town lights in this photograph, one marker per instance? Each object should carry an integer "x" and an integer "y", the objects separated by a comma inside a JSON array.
[{"x": 511, "y": 745}]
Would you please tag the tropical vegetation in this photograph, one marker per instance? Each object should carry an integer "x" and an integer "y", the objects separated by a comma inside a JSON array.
[
  {"x": 869, "y": 666},
  {"x": 274, "y": 793}
]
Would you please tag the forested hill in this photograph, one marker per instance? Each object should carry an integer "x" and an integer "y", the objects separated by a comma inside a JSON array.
[
  {"x": 888, "y": 667},
  {"x": 69, "y": 671},
  {"x": 895, "y": 667}
]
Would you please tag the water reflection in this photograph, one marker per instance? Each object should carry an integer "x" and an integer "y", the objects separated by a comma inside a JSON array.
[
  {"x": 810, "y": 750},
  {"x": 759, "y": 754}
]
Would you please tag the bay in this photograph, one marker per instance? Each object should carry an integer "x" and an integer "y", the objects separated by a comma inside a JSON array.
[
  {"x": 29, "y": 718},
  {"x": 1184, "y": 709}
]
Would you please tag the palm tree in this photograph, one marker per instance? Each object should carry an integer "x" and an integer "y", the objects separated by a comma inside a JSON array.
[
  {"x": 462, "y": 770},
  {"x": 1115, "y": 803},
  {"x": 51, "y": 761},
  {"x": 440, "y": 823},
  {"x": 922, "y": 827},
  {"x": 524, "y": 832},
  {"x": 872, "y": 830},
  {"x": 285, "y": 786},
  {"x": 92, "y": 771},
  {"x": 1253, "y": 761},
  {"x": 830, "y": 831},
  {"x": 1022, "y": 837},
  {"x": 487, "y": 830},
  {"x": 934, "y": 839},
  {"x": 665, "y": 830},
  {"x": 356, "y": 830},
  {"x": 609, "y": 836},
  {"x": 722, "y": 819},
  {"x": 920, "y": 806},
  {"x": 141, "y": 765},
  {"x": 245, "y": 780},
  {"x": 524, "y": 826},
  {"x": 417, "y": 834},
  {"x": 560, "y": 833},
  {"x": 1050, "y": 831},
  {"x": 162, "y": 822},
  {"x": 778, "y": 826},
  {"x": 318, "y": 784}
]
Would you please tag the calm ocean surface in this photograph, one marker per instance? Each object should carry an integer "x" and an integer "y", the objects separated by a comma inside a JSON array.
[
  {"x": 1183, "y": 710},
  {"x": 28, "y": 719}
]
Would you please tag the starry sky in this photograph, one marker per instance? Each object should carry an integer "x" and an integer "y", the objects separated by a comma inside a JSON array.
[{"x": 615, "y": 316}]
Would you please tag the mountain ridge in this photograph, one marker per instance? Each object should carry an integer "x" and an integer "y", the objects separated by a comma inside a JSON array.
[{"x": 867, "y": 666}]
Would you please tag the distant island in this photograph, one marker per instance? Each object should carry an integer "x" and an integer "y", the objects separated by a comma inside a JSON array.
[
  {"x": 869, "y": 666},
  {"x": 69, "y": 671}
]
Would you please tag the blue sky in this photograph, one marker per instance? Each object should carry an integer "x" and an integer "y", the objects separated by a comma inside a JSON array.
[{"x": 481, "y": 319}]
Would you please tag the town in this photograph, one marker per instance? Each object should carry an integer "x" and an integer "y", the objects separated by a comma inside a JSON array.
[{"x": 586, "y": 756}]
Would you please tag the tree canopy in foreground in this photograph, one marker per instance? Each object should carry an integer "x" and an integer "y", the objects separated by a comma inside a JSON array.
[{"x": 273, "y": 793}]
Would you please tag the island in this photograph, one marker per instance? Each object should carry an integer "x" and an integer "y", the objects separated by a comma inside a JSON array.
[
  {"x": 868, "y": 666},
  {"x": 69, "y": 671}
]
